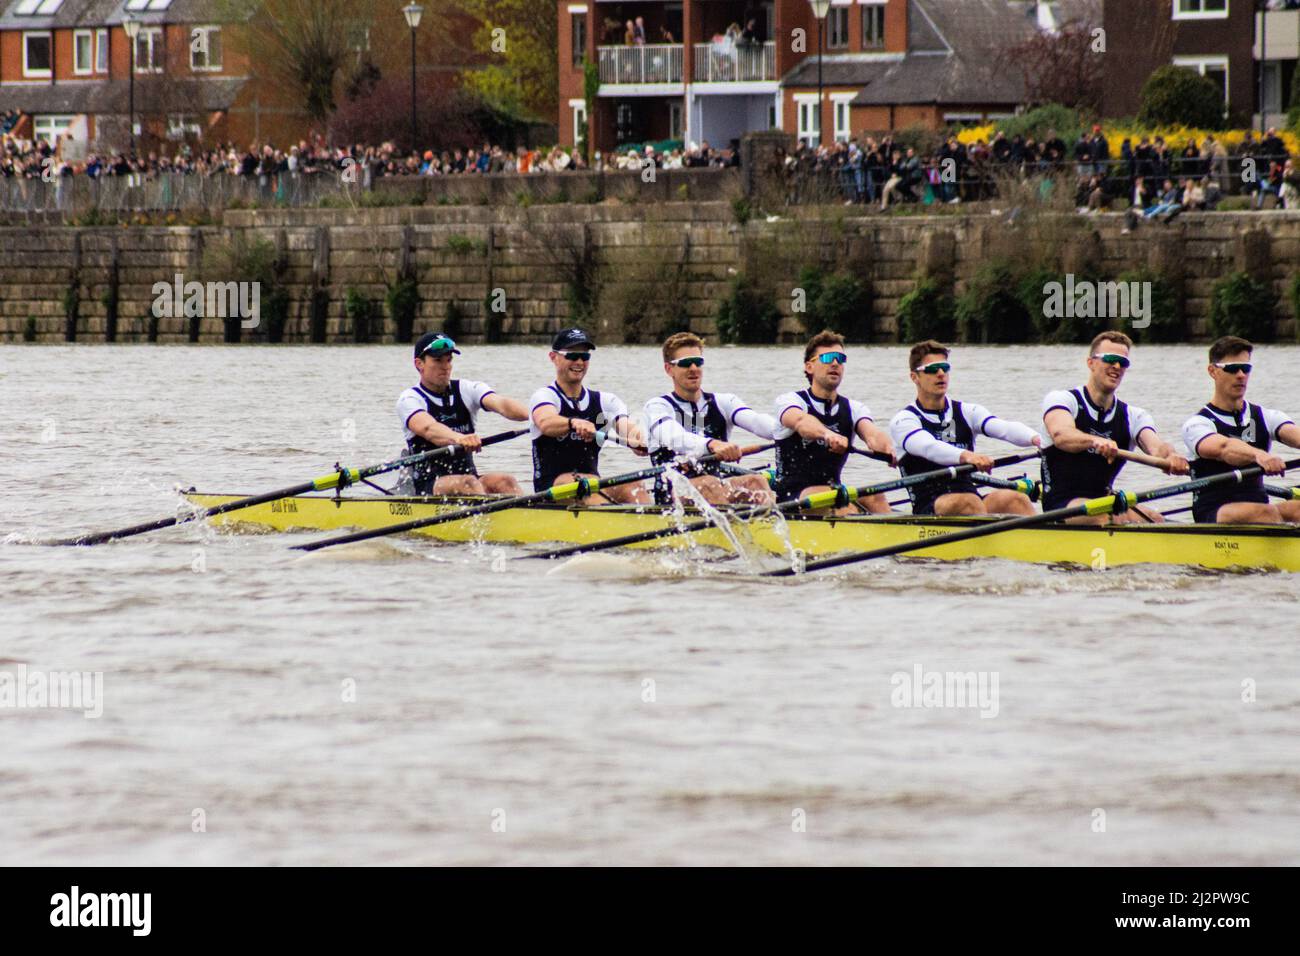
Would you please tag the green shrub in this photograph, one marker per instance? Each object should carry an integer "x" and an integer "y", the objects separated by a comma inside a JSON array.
[
  {"x": 360, "y": 308},
  {"x": 1293, "y": 293},
  {"x": 742, "y": 210},
  {"x": 838, "y": 301},
  {"x": 403, "y": 301},
  {"x": 1032, "y": 291},
  {"x": 464, "y": 245},
  {"x": 1177, "y": 96},
  {"x": 453, "y": 324},
  {"x": 748, "y": 315},
  {"x": 1244, "y": 306},
  {"x": 1040, "y": 120},
  {"x": 989, "y": 310},
  {"x": 927, "y": 313},
  {"x": 275, "y": 313},
  {"x": 29, "y": 329},
  {"x": 1167, "y": 322}
]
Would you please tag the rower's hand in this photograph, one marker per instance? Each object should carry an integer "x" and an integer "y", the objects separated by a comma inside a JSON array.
[
  {"x": 1178, "y": 465},
  {"x": 641, "y": 451},
  {"x": 981, "y": 462},
  {"x": 1106, "y": 448},
  {"x": 585, "y": 430},
  {"x": 1038, "y": 441},
  {"x": 471, "y": 443},
  {"x": 1271, "y": 464},
  {"x": 887, "y": 448},
  {"x": 724, "y": 450},
  {"x": 836, "y": 443}
]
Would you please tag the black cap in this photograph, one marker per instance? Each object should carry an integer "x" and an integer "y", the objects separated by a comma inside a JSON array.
[
  {"x": 434, "y": 342},
  {"x": 570, "y": 338}
]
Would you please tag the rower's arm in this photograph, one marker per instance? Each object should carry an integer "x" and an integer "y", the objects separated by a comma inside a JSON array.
[
  {"x": 550, "y": 422},
  {"x": 877, "y": 439},
  {"x": 630, "y": 432},
  {"x": 506, "y": 407},
  {"x": 1230, "y": 451},
  {"x": 1289, "y": 434},
  {"x": 1065, "y": 436},
  {"x": 1151, "y": 443},
  {"x": 805, "y": 425},
  {"x": 433, "y": 431}
]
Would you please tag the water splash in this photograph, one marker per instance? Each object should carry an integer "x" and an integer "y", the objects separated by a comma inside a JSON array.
[{"x": 742, "y": 545}]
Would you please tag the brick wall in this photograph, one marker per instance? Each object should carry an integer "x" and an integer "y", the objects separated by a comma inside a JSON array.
[{"x": 460, "y": 254}]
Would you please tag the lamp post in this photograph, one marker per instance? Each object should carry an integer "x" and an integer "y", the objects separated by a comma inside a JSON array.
[
  {"x": 820, "y": 8},
  {"x": 131, "y": 26},
  {"x": 1262, "y": 8},
  {"x": 413, "y": 12}
]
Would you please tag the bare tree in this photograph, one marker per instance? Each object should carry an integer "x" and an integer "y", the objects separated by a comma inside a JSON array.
[{"x": 1063, "y": 67}]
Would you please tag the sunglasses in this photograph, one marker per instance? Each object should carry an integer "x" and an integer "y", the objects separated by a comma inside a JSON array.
[
  {"x": 1232, "y": 368},
  {"x": 696, "y": 361},
  {"x": 439, "y": 345},
  {"x": 829, "y": 358},
  {"x": 934, "y": 368},
  {"x": 577, "y": 356},
  {"x": 1110, "y": 358}
]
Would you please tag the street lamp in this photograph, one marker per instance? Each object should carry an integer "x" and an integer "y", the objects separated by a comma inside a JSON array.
[
  {"x": 132, "y": 28},
  {"x": 820, "y": 8},
  {"x": 413, "y": 12}
]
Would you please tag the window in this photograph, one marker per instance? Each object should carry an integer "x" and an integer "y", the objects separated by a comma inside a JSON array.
[
  {"x": 1200, "y": 9},
  {"x": 578, "y": 35},
  {"x": 873, "y": 27},
  {"x": 180, "y": 125},
  {"x": 579, "y": 108},
  {"x": 809, "y": 120},
  {"x": 674, "y": 120},
  {"x": 1212, "y": 67},
  {"x": 152, "y": 5},
  {"x": 840, "y": 110},
  {"x": 39, "y": 8},
  {"x": 1273, "y": 87},
  {"x": 101, "y": 51},
  {"x": 837, "y": 28},
  {"x": 50, "y": 127},
  {"x": 205, "y": 48},
  {"x": 149, "y": 50},
  {"x": 83, "y": 49},
  {"x": 771, "y": 117},
  {"x": 38, "y": 55}
]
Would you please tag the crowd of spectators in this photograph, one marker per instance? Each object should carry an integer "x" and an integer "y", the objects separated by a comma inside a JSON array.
[
  {"x": 1148, "y": 177},
  {"x": 885, "y": 171}
]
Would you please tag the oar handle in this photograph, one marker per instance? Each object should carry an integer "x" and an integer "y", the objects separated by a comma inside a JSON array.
[
  {"x": 1139, "y": 458},
  {"x": 868, "y": 453},
  {"x": 1285, "y": 492}
]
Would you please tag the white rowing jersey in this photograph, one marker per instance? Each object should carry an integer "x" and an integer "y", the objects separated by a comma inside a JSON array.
[
  {"x": 1201, "y": 426},
  {"x": 935, "y": 438},
  {"x": 1139, "y": 419},
  {"x": 686, "y": 428},
  {"x": 449, "y": 409}
]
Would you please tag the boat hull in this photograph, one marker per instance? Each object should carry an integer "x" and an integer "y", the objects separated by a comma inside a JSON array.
[{"x": 1207, "y": 546}]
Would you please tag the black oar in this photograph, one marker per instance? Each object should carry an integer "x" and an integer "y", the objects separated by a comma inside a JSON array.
[
  {"x": 573, "y": 489},
  {"x": 1096, "y": 506},
  {"x": 338, "y": 479},
  {"x": 1284, "y": 492},
  {"x": 825, "y": 499}
]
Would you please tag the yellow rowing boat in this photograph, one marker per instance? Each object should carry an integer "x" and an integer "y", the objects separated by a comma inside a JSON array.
[{"x": 1209, "y": 546}]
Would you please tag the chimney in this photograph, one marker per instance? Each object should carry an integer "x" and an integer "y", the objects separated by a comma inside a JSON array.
[{"x": 896, "y": 17}]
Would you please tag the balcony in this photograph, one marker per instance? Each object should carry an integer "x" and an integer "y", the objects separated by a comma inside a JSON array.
[
  {"x": 661, "y": 63},
  {"x": 727, "y": 62}
]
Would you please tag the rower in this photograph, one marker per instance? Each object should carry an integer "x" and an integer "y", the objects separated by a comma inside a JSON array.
[
  {"x": 816, "y": 426},
  {"x": 441, "y": 411},
  {"x": 1088, "y": 426},
  {"x": 1231, "y": 433},
  {"x": 565, "y": 418},
  {"x": 937, "y": 432},
  {"x": 691, "y": 421}
]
